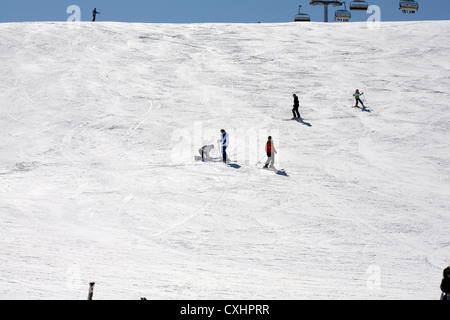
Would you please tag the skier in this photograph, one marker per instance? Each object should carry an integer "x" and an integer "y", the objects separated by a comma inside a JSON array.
[
  {"x": 445, "y": 285},
  {"x": 270, "y": 149},
  {"x": 295, "y": 110},
  {"x": 205, "y": 150},
  {"x": 94, "y": 14},
  {"x": 225, "y": 142},
  {"x": 357, "y": 96}
]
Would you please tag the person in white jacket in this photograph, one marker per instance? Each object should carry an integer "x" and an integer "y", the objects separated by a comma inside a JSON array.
[{"x": 225, "y": 141}]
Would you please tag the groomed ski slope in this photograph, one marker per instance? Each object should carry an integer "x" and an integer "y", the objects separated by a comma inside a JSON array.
[{"x": 100, "y": 123}]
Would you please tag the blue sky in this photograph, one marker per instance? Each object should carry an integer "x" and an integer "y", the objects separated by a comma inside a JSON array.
[{"x": 192, "y": 11}]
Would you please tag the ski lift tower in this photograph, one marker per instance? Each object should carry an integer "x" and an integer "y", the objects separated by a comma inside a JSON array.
[{"x": 325, "y": 4}]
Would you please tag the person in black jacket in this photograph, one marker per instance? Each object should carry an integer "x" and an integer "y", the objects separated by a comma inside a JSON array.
[
  {"x": 296, "y": 106},
  {"x": 445, "y": 285},
  {"x": 94, "y": 14}
]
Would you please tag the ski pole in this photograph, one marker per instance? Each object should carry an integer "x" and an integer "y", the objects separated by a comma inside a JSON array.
[
  {"x": 259, "y": 161},
  {"x": 365, "y": 99},
  {"x": 365, "y": 102}
]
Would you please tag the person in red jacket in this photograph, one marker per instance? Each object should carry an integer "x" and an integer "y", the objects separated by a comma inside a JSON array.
[{"x": 270, "y": 149}]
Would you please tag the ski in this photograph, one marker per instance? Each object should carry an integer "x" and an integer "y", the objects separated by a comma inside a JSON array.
[
  {"x": 299, "y": 120},
  {"x": 198, "y": 158},
  {"x": 277, "y": 171},
  {"x": 366, "y": 109},
  {"x": 295, "y": 119}
]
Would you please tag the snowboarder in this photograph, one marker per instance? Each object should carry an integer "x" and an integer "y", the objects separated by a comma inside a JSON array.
[
  {"x": 225, "y": 142},
  {"x": 270, "y": 149},
  {"x": 445, "y": 285},
  {"x": 296, "y": 106},
  {"x": 357, "y": 96},
  {"x": 94, "y": 14},
  {"x": 205, "y": 150}
]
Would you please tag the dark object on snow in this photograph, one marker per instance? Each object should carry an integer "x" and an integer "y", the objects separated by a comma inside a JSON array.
[
  {"x": 445, "y": 285},
  {"x": 91, "y": 290},
  {"x": 296, "y": 105}
]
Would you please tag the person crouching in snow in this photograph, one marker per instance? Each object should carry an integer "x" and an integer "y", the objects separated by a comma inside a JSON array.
[
  {"x": 205, "y": 150},
  {"x": 270, "y": 149}
]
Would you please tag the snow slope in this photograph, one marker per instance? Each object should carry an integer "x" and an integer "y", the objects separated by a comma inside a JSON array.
[{"x": 99, "y": 124}]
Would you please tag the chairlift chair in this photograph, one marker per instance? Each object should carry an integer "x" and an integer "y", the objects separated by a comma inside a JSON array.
[
  {"x": 302, "y": 17},
  {"x": 359, "y": 5},
  {"x": 409, "y": 6},
  {"x": 343, "y": 15}
]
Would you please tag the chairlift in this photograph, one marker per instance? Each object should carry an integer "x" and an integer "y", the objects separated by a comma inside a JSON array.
[
  {"x": 409, "y": 6},
  {"x": 302, "y": 17},
  {"x": 343, "y": 15},
  {"x": 359, "y": 5}
]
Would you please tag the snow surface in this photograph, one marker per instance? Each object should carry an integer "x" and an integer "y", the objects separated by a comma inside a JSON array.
[{"x": 99, "y": 127}]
